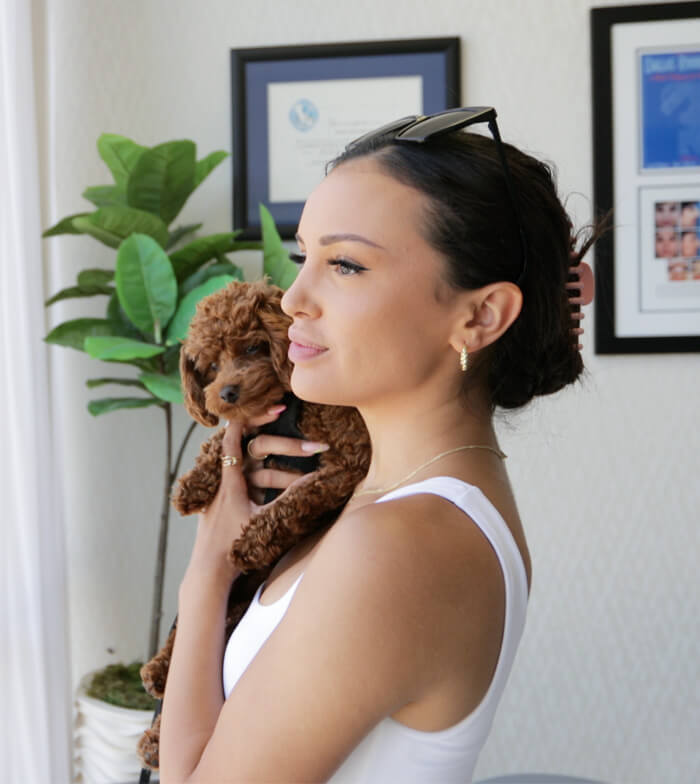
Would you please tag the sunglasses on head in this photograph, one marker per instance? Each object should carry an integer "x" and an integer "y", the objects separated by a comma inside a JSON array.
[{"x": 418, "y": 130}]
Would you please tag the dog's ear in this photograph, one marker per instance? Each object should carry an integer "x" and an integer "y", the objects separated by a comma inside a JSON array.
[
  {"x": 276, "y": 323},
  {"x": 193, "y": 388}
]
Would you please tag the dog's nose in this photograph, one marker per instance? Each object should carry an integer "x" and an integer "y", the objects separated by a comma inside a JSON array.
[{"x": 229, "y": 394}]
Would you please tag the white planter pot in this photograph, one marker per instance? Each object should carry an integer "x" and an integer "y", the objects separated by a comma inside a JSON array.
[{"x": 105, "y": 740}]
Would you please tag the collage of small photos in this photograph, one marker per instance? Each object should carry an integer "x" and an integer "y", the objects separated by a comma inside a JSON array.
[{"x": 677, "y": 240}]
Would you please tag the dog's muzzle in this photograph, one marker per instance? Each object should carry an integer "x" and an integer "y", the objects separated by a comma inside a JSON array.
[{"x": 229, "y": 394}]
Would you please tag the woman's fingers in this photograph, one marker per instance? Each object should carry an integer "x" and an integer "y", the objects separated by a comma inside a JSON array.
[
  {"x": 231, "y": 445},
  {"x": 232, "y": 458},
  {"x": 271, "y": 415},
  {"x": 271, "y": 477},
  {"x": 263, "y": 445}
]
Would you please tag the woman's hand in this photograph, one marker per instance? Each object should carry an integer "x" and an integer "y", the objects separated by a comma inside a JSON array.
[
  {"x": 261, "y": 478},
  {"x": 240, "y": 495},
  {"x": 224, "y": 519}
]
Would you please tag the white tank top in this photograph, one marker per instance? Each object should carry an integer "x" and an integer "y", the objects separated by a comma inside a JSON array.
[{"x": 392, "y": 751}]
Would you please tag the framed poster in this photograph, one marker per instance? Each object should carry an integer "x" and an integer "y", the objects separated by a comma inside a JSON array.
[
  {"x": 646, "y": 151},
  {"x": 296, "y": 107}
]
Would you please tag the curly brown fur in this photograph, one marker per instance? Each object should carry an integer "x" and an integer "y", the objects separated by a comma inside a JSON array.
[{"x": 234, "y": 366}]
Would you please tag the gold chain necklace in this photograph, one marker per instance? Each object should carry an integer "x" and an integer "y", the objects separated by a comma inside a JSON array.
[{"x": 427, "y": 463}]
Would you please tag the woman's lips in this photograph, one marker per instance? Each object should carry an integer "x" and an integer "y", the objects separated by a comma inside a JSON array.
[{"x": 299, "y": 352}]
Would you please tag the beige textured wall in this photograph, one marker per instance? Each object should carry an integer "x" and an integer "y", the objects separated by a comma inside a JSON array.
[{"x": 606, "y": 682}]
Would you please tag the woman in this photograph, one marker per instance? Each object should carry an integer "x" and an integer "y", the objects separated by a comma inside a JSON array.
[
  {"x": 690, "y": 244},
  {"x": 433, "y": 289},
  {"x": 667, "y": 243}
]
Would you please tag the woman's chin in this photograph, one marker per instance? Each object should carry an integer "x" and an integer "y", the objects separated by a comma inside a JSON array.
[{"x": 306, "y": 388}]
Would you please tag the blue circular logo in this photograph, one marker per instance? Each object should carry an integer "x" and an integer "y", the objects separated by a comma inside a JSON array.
[{"x": 303, "y": 115}]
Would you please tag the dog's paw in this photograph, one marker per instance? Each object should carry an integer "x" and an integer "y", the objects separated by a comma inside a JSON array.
[
  {"x": 148, "y": 746},
  {"x": 153, "y": 676},
  {"x": 194, "y": 493}
]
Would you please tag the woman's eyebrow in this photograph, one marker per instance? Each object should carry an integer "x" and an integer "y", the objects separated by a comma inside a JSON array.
[{"x": 330, "y": 239}]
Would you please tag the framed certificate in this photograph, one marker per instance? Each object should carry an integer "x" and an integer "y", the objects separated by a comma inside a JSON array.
[
  {"x": 296, "y": 107},
  {"x": 646, "y": 149}
]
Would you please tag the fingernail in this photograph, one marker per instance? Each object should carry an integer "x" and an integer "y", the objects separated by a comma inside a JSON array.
[
  {"x": 313, "y": 446},
  {"x": 276, "y": 409},
  {"x": 224, "y": 422}
]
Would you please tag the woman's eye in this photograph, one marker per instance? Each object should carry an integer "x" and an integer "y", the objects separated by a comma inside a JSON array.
[
  {"x": 343, "y": 266},
  {"x": 346, "y": 267}
]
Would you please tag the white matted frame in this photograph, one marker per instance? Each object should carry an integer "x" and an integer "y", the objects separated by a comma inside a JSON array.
[{"x": 646, "y": 147}]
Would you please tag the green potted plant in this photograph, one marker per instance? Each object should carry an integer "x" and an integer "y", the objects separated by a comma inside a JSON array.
[{"x": 160, "y": 272}]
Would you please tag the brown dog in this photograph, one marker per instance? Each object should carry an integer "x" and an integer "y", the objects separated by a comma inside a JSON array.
[{"x": 234, "y": 366}]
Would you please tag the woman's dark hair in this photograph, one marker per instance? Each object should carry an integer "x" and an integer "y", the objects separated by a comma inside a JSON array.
[{"x": 470, "y": 220}]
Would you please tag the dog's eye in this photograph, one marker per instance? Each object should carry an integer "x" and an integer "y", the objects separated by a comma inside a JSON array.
[
  {"x": 213, "y": 367},
  {"x": 254, "y": 349}
]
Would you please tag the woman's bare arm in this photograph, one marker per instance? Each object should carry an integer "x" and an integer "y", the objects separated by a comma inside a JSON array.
[
  {"x": 371, "y": 628},
  {"x": 193, "y": 695}
]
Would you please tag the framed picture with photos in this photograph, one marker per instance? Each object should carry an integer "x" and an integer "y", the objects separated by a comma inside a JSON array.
[{"x": 646, "y": 151}]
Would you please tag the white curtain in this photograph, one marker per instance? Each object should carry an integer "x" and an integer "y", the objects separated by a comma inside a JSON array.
[{"x": 34, "y": 671}]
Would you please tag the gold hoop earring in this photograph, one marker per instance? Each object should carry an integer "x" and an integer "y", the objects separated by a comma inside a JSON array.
[{"x": 463, "y": 359}]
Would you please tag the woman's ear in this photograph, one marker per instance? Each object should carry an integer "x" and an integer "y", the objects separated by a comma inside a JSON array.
[{"x": 485, "y": 314}]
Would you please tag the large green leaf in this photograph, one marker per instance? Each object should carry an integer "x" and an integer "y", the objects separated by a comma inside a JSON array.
[
  {"x": 105, "y": 195},
  {"x": 73, "y": 333},
  {"x": 120, "y": 154},
  {"x": 180, "y": 232},
  {"x": 91, "y": 383},
  {"x": 95, "y": 276},
  {"x": 168, "y": 388},
  {"x": 190, "y": 258},
  {"x": 118, "y": 348},
  {"x": 208, "y": 164},
  {"x": 88, "y": 290},
  {"x": 177, "y": 329},
  {"x": 122, "y": 325},
  {"x": 107, "y": 404},
  {"x": 111, "y": 225},
  {"x": 276, "y": 262},
  {"x": 65, "y": 226},
  {"x": 162, "y": 179},
  {"x": 146, "y": 284},
  {"x": 90, "y": 283},
  {"x": 203, "y": 274}
]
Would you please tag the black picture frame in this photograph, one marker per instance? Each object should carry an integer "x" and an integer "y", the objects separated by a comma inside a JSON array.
[
  {"x": 603, "y": 20},
  {"x": 435, "y": 60}
]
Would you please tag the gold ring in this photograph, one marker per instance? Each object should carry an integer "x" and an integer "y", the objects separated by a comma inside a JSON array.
[
  {"x": 229, "y": 460},
  {"x": 262, "y": 457}
]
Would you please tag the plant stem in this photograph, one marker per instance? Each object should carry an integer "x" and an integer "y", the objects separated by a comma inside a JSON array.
[
  {"x": 170, "y": 476},
  {"x": 157, "y": 610},
  {"x": 176, "y": 467}
]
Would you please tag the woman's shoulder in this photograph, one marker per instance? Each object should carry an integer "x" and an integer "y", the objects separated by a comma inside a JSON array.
[
  {"x": 461, "y": 517},
  {"x": 421, "y": 545}
]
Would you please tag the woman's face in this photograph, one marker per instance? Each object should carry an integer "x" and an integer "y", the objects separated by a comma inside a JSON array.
[
  {"x": 677, "y": 270},
  {"x": 667, "y": 244},
  {"x": 689, "y": 215},
  {"x": 689, "y": 244},
  {"x": 667, "y": 213},
  {"x": 367, "y": 323}
]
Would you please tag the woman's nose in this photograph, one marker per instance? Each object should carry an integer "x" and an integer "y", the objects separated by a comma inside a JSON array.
[{"x": 297, "y": 299}]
